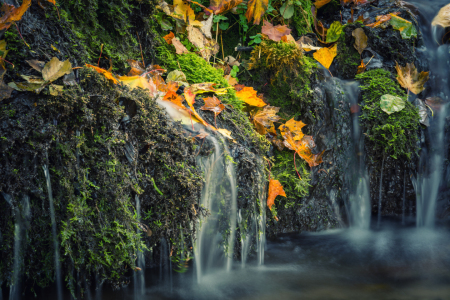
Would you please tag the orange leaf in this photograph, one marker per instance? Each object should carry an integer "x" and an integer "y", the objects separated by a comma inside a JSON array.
[
  {"x": 326, "y": 55},
  {"x": 303, "y": 148},
  {"x": 361, "y": 68},
  {"x": 169, "y": 37},
  {"x": 294, "y": 127},
  {"x": 249, "y": 96},
  {"x": 382, "y": 19},
  {"x": 174, "y": 98},
  {"x": 275, "y": 189},
  {"x": 12, "y": 14},
  {"x": 319, "y": 3},
  {"x": 52, "y": 2},
  {"x": 213, "y": 104},
  {"x": 231, "y": 80},
  {"x": 263, "y": 119},
  {"x": 274, "y": 32},
  {"x": 255, "y": 10},
  {"x": 105, "y": 73},
  {"x": 222, "y": 6},
  {"x": 189, "y": 96},
  {"x": 410, "y": 79}
]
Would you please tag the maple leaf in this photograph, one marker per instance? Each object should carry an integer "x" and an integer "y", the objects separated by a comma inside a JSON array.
[
  {"x": 410, "y": 79},
  {"x": 169, "y": 37},
  {"x": 274, "y": 32},
  {"x": 139, "y": 81},
  {"x": 249, "y": 96},
  {"x": 263, "y": 119},
  {"x": 360, "y": 40},
  {"x": 326, "y": 55},
  {"x": 255, "y": 10},
  {"x": 222, "y": 6},
  {"x": 294, "y": 127},
  {"x": 303, "y": 148},
  {"x": 174, "y": 98},
  {"x": 12, "y": 14},
  {"x": 183, "y": 11},
  {"x": 213, "y": 104},
  {"x": 104, "y": 72},
  {"x": 275, "y": 189}
]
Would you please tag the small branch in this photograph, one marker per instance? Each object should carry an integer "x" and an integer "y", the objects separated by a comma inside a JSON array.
[
  {"x": 22, "y": 36},
  {"x": 139, "y": 40},
  {"x": 101, "y": 51}
]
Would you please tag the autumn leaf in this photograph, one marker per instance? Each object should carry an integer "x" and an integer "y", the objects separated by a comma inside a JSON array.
[
  {"x": 326, "y": 55},
  {"x": 360, "y": 40},
  {"x": 307, "y": 44},
  {"x": 213, "y": 104},
  {"x": 12, "y": 14},
  {"x": 189, "y": 96},
  {"x": 231, "y": 80},
  {"x": 169, "y": 37},
  {"x": 288, "y": 39},
  {"x": 275, "y": 189},
  {"x": 105, "y": 73},
  {"x": 263, "y": 119},
  {"x": 139, "y": 81},
  {"x": 207, "y": 47},
  {"x": 256, "y": 10},
  {"x": 203, "y": 134},
  {"x": 410, "y": 79},
  {"x": 303, "y": 148},
  {"x": 5, "y": 90},
  {"x": 382, "y": 19},
  {"x": 319, "y": 3},
  {"x": 274, "y": 32},
  {"x": 137, "y": 67},
  {"x": 207, "y": 87},
  {"x": 361, "y": 68},
  {"x": 174, "y": 98},
  {"x": 179, "y": 47},
  {"x": 249, "y": 96},
  {"x": 36, "y": 64},
  {"x": 406, "y": 28},
  {"x": 334, "y": 32},
  {"x": 226, "y": 133},
  {"x": 55, "y": 68},
  {"x": 443, "y": 17},
  {"x": 222, "y": 6},
  {"x": 295, "y": 127},
  {"x": 183, "y": 11}
]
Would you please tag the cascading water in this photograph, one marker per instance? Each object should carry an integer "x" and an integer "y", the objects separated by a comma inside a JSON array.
[
  {"x": 55, "y": 237},
  {"x": 139, "y": 277}
]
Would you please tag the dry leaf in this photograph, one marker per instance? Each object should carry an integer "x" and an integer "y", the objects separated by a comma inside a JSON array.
[
  {"x": 207, "y": 25},
  {"x": 231, "y": 80},
  {"x": 249, "y": 96},
  {"x": 174, "y": 98},
  {"x": 295, "y": 127},
  {"x": 274, "y": 32},
  {"x": 105, "y": 73},
  {"x": 226, "y": 133},
  {"x": 5, "y": 90},
  {"x": 222, "y": 6},
  {"x": 256, "y": 10},
  {"x": 275, "y": 189},
  {"x": 382, "y": 19},
  {"x": 410, "y": 79},
  {"x": 139, "y": 81},
  {"x": 137, "y": 67},
  {"x": 207, "y": 87},
  {"x": 179, "y": 47},
  {"x": 207, "y": 47},
  {"x": 319, "y": 3},
  {"x": 203, "y": 134},
  {"x": 213, "y": 104},
  {"x": 263, "y": 119},
  {"x": 183, "y": 11},
  {"x": 169, "y": 37},
  {"x": 54, "y": 69},
  {"x": 12, "y": 14},
  {"x": 56, "y": 90},
  {"x": 443, "y": 17},
  {"x": 326, "y": 55},
  {"x": 360, "y": 40},
  {"x": 303, "y": 148},
  {"x": 361, "y": 68}
]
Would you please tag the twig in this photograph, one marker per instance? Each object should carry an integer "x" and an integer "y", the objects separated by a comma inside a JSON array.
[
  {"x": 7, "y": 61},
  {"x": 295, "y": 152},
  {"x": 223, "y": 53},
  {"x": 22, "y": 36},
  {"x": 139, "y": 40},
  {"x": 217, "y": 34},
  {"x": 101, "y": 51}
]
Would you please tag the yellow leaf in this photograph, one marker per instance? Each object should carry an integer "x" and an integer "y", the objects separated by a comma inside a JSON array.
[
  {"x": 222, "y": 6},
  {"x": 139, "y": 81},
  {"x": 410, "y": 79},
  {"x": 54, "y": 48},
  {"x": 12, "y": 14},
  {"x": 249, "y": 96},
  {"x": 275, "y": 189},
  {"x": 443, "y": 17},
  {"x": 183, "y": 11},
  {"x": 55, "y": 69},
  {"x": 326, "y": 55},
  {"x": 263, "y": 119},
  {"x": 105, "y": 73},
  {"x": 256, "y": 10},
  {"x": 295, "y": 127},
  {"x": 226, "y": 133}
]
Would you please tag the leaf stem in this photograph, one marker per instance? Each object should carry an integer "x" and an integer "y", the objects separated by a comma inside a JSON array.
[
  {"x": 295, "y": 165},
  {"x": 22, "y": 36}
]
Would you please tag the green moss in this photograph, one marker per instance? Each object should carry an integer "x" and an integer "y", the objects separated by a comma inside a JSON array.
[
  {"x": 347, "y": 58},
  {"x": 303, "y": 18},
  {"x": 394, "y": 134}
]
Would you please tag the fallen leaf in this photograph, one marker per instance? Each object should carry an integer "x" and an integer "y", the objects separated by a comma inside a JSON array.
[
  {"x": 222, "y": 6},
  {"x": 436, "y": 103},
  {"x": 274, "y": 32},
  {"x": 303, "y": 148},
  {"x": 207, "y": 25},
  {"x": 294, "y": 127},
  {"x": 105, "y": 73},
  {"x": 207, "y": 87},
  {"x": 391, "y": 104},
  {"x": 189, "y": 96},
  {"x": 179, "y": 47},
  {"x": 207, "y": 47},
  {"x": 406, "y": 28},
  {"x": 54, "y": 48},
  {"x": 361, "y": 68},
  {"x": 326, "y": 55},
  {"x": 137, "y": 67},
  {"x": 34, "y": 79},
  {"x": 443, "y": 17},
  {"x": 263, "y": 119},
  {"x": 55, "y": 69},
  {"x": 275, "y": 189},
  {"x": 169, "y": 37},
  {"x": 239, "y": 87},
  {"x": 319, "y": 3},
  {"x": 12, "y": 14},
  {"x": 5, "y": 90},
  {"x": 256, "y": 10},
  {"x": 183, "y": 10},
  {"x": 360, "y": 40},
  {"x": 226, "y": 133},
  {"x": 139, "y": 81},
  {"x": 178, "y": 77},
  {"x": 26, "y": 86},
  {"x": 249, "y": 96},
  {"x": 203, "y": 134},
  {"x": 410, "y": 79},
  {"x": 56, "y": 90},
  {"x": 174, "y": 98},
  {"x": 334, "y": 32},
  {"x": 288, "y": 39},
  {"x": 231, "y": 80},
  {"x": 213, "y": 104},
  {"x": 382, "y": 19},
  {"x": 287, "y": 10}
]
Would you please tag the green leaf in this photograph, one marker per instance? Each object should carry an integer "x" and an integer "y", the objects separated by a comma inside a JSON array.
[
  {"x": 406, "y": 28},
  {"x": 391, "y": 104},
  {"x": 287, "y": 10},
  {"x": 224, "y": 25},
  {"x": 334, "y": 32}
]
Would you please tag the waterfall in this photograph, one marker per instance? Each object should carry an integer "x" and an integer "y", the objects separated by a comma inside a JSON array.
[
  {"x": 139, "y": 276},
  {"x": 55, "y": 236},
  {"x": 22, "y": 217},
  {"x": 219, "y": 198}
]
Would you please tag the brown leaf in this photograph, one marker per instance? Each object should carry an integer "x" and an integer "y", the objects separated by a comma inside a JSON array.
[
  {"x": 213, "y": 104},
  {"x": 169, "y": 37},
  {"x": 256, "y": 10},
  {"x": 382, "y": 19},
  {"x": 274, "y": 33},
  {"x": 303, "y": 148},
  {"x": 222, "y": 6},
  {"x": 12, "y": 14},
  {"x": 435, "y": 103},
  {"x": 179, "y": 47},
  {"x": 443, "y": 17},
  {"x": 5, "y": 90},
  {"x": 231, "y": 80},
  {"x": 360, "y": 40},
  {"x": 275, "y": 189},
  {"x": 208, "y": 47},
  {"x": 36, "y": 64},
  {"x": 410, "y": 79},
  {"x": 263, "y": 119}
]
